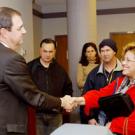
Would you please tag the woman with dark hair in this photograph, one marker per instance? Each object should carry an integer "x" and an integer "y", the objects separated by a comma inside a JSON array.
[{"x": 89, "y": 60}]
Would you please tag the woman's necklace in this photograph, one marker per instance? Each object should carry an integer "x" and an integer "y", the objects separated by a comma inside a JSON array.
[{"x": 109, "y": 76}]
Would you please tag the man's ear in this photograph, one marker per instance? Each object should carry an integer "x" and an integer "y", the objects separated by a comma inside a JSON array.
[{"x": 3, "y": 31}]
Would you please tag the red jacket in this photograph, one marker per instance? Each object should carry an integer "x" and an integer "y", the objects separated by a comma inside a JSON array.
[{"x": 117, "y": 124}]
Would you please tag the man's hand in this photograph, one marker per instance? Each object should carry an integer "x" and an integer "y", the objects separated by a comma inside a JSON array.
[
  {"x": 70, "y": 103},
  {"x": 67, "y": 102}
]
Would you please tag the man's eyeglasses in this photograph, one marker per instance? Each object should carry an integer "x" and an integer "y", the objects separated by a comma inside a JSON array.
[{"x": 127, "y": 60}]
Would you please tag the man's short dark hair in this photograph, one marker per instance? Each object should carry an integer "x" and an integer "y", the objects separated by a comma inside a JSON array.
[{"x": 48, "y": 40}]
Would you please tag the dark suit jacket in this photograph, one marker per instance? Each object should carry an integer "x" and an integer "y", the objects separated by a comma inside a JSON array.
[{"x": 17, "y": 90}]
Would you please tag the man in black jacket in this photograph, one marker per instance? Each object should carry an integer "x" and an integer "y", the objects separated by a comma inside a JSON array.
[
  {"x": 51, "y": 78},
  {"x": 17, "y": 90}
]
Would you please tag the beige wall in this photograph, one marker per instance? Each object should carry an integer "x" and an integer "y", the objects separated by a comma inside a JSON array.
[
  {"x": 37, "y": 28},
  {"x": 25, "y": 7}
]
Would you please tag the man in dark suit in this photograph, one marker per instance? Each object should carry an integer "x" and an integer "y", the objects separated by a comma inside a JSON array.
[{"x": 17, "y": 90}]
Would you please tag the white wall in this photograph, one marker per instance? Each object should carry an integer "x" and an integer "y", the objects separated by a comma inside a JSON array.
[
  {"x": 105, "y": 4},
  {"x": 52, "y": 27},
  {"x": 114, "y": 23},
  {"x": 48, "y": 28},
  {"x": 59, "y": 7},
  {"x": 25, "y": 7}
]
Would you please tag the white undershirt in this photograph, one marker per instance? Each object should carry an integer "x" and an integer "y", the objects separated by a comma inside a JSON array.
[{"x": 4, "y": 44}]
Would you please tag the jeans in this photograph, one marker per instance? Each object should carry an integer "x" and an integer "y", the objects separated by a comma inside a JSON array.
[{"x": 102, "y": 118}]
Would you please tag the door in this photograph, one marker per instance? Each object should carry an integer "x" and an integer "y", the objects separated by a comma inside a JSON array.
[
  {"x": 62, "y": 59},
  {"x": 122, "y": 39},
  {"x": 62, "y": 51}
]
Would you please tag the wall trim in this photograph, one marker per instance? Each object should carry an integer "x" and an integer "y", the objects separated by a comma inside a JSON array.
[
  {"x": 49, "y": 15},
  {"x": 116, "y": 11},
  {"x": 99, "y": 12},
  {"x": 130, "y": 32}
]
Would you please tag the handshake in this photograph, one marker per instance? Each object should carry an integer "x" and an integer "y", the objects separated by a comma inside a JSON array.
[{"x": 70, "y": 103}]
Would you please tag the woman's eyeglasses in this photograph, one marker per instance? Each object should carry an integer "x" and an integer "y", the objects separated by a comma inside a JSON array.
[{"x": 127, "y": 60}]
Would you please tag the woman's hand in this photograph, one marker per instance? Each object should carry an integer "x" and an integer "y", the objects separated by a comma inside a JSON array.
[
  {"x": 108, "y": 125},
  {"x": 79, "y": 100}
]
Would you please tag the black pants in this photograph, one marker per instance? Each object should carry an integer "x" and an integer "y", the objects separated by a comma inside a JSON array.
[
  {"x": 117, "y": 134},
  {"x": 83, "y": 118}
]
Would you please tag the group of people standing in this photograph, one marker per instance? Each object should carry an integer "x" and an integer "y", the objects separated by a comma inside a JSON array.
[
  {"x": 98, "y": 76},
  {"x": 44, "y": 86},
  {"x": 101, "y": 81}
]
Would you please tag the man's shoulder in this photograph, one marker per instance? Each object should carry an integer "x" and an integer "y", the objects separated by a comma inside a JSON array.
[
  {"x": 8, "y": 54},
  {"x": 58, "y": 66},
  {"x": 32, "y": 65},
  {"x": 59, "y": 69},
  {"x": 33, "y": 62},
  {"x": 6, "y": 51},
  {"x": 93, "y": 73},
  {"x": 95, "y": 70}
]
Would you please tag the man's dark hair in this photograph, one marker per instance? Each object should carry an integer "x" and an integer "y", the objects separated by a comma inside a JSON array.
[
  {"x": 6, "y": 15},
  {"x": 48, "y": 40}
]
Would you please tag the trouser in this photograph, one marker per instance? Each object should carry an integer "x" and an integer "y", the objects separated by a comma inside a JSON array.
[
  {"x": 5, "y": 133},
  {"x": 16, "y": 134},
  {"x": 83, "y": 118},
  {"x": 47, "y": 123}
]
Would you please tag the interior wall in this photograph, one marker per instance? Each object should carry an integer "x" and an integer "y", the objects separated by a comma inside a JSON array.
[
  {"x": 105, "y": 23},
  {"x": 105, "y": 4},
  {"x": 114, "y": 23},
  {"x": 54, "y": 27},
  {"x": 37, "y": 28},
  {"x": 48, "y": 28},
  {"x": 25, "y": 7}
]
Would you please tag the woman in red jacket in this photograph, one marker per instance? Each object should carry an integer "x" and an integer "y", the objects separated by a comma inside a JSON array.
[{"x": 125, "y": 84}]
